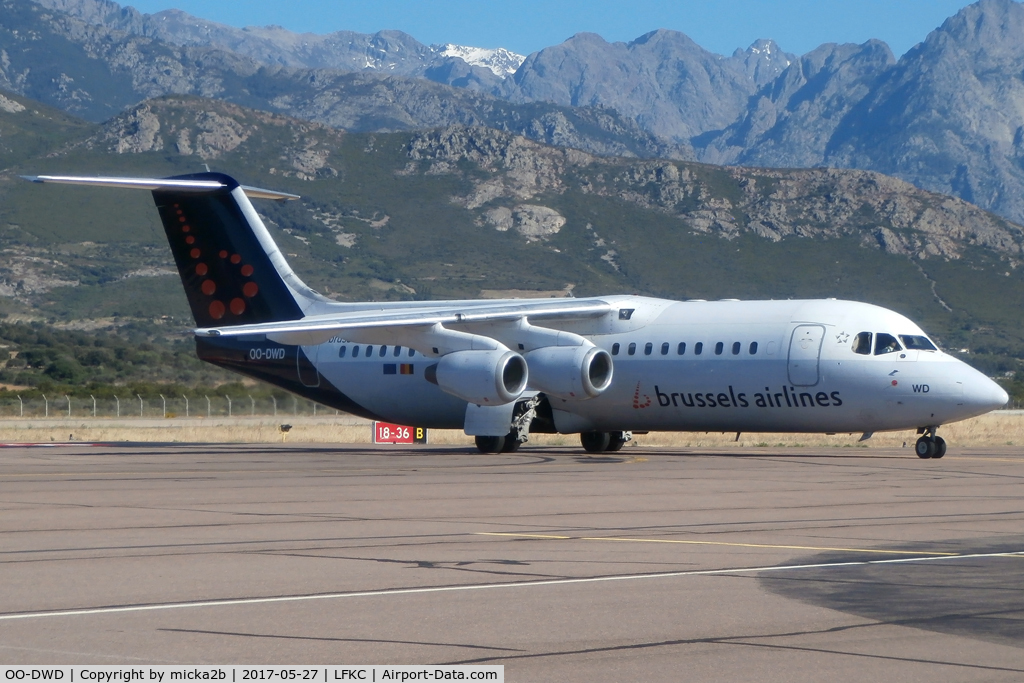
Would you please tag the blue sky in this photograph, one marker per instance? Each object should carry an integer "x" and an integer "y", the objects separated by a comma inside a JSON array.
[{"x": 528, "y": 25}]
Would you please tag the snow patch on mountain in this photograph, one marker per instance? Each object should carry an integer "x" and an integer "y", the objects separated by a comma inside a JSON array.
[{"x": 501, "y": 61}]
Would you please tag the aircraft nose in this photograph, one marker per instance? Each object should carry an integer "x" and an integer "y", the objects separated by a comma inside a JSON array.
[{"x": 984, "y": 394}]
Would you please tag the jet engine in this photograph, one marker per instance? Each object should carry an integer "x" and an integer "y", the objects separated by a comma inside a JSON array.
[
  {"x": 570, "y": 372},
  {"x": 486, "y": 378}
]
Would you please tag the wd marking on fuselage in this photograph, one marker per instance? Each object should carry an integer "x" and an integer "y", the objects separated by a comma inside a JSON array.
[{"x": 921, "y": 388}]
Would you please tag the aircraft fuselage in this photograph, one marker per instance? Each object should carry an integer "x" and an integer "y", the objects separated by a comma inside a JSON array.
[{"x": 764, "y": 366}]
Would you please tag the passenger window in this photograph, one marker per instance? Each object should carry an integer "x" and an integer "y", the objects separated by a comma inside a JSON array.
[
  {"x": 648, "y": 347},
  {"x": 355, "y": 352},
  {"x": 698, "y": 348},
  {"x": 412, "y": 352},
  {"x": 615, "y": 349},
  {"x": 398, "y": 351},
  {"x": 862, "y": 344},
  {"x": 916, "y": 342},
  {"x": 886, "y": 343},
  {"x": 753, "y": 348},
  {"x": 369, "y": 350},
  {"x": 719, "y": 347},
  {"x": 736, "y": 348},
  {"x": 664, "y": 349},
  {"x": 342, "y": 351},
  {"x": 681, "y": 349},
  {"x": 631, "y": 349},
  {"x": 383, "y": 351}
]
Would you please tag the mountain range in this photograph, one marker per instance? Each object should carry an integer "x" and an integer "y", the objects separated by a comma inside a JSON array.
[
  {"x": 652, "y": 166},
  {"x": 468, "y": 211},
  {"x": 947, "y": 116}
]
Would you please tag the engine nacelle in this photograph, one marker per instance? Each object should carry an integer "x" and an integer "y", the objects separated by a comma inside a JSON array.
[
  {"x": 573, "y": 373},
  {"x": 486, "y": 378}
]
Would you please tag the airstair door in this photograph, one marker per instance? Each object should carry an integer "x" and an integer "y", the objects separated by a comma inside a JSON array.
[{"x": 804, "y": 351}]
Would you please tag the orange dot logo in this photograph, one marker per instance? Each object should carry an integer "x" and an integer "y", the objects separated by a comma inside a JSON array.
[
  {"x": 235, "y": 258},
  {"x": 223, "y": 254},
  {"x": 246, "y": 270},
  {"x": 250, "y": 289},
  {"x": 216, "y": 310},
  {"x": 201, "y": 269},
  {"x": 208, "y": 287},
  {"x": 194, "y": 253},
  {"x": 237, "y": 306},
  {"x": 190, "y": 240},
  {"x": 181, "y": 219},
  {"x": 185, "y": 228},
  {"x": 637, "y": 403}
]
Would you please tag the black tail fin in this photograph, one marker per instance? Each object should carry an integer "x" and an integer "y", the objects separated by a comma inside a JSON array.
[{"x": 232, "y": 270}]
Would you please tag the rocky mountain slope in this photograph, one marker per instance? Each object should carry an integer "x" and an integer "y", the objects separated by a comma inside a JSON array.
[
  {"x": 94, "y": 72},
  {"x": 465, "y": 211},
  {"x": 670, "y": 85},
  {"x": 392, "y": 53},
  {"x": 949, "y": 115},
  {"x": 946, "y": 116}
]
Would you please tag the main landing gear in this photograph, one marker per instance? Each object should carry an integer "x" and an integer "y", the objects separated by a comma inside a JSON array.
[
  {"x": 519, "y": 432},
  {"x": 604, "y": 442},
  {"x": 930, "y": 445},
  {"x": 492, "y": 444}
]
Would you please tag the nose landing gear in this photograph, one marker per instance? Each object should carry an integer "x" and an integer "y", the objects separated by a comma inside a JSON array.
[{"x": 930, "y": 445}]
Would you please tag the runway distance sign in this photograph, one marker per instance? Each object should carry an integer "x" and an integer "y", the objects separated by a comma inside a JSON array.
[{"x": 386, "y": 432}]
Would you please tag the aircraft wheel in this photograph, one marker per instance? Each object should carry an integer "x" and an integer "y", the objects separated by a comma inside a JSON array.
[
  {"x": 616, "y": 441},
  {"x": 595, "y": 442},
  {"x": 925, "y": 448},
  {"x": 511, "y": 444},
  {"x": 940, "y": 447},
  {"x": 490, "y": 444}
]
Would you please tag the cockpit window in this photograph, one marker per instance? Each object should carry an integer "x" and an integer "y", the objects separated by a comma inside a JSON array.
[
  {"x": 916, "y": 342},
  {"x": 886, "y": 343},
  {"x": 862, "y": 344}
]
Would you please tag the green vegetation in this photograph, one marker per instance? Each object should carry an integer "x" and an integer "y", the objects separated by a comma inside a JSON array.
[
  {"x": 74, "y": 254},
  {"x": 133, "y": 358}
]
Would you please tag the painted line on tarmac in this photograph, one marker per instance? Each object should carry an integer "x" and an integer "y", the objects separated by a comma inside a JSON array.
[
  {"x": 232, "y": 602},
  {"x": 725, "y": 543}
]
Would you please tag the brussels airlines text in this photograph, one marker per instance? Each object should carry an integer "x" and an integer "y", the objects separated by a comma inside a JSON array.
[{"x": 786, "y": 397}]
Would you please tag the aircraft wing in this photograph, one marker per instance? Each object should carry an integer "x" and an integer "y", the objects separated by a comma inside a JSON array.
[{"x": 318, "y": 328}]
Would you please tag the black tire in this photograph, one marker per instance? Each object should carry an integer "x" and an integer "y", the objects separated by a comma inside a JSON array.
[
  {"x": 925, "y": 448},
  {"x": 490, "y": 444},
  {"x": 940, "y": 447},
  {"x": 595, "y": 442},
  {"x": 616, "y": 441},
  {"x": 511, "y": 444}
]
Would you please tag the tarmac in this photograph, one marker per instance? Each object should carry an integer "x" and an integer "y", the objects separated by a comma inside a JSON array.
[{"x": 644, "y": 565}]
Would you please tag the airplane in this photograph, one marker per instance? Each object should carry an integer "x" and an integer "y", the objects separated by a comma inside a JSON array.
[{"x": 602, "y": 367}]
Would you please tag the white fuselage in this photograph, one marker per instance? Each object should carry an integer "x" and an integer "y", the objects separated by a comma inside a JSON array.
[{"x": 769, "y": 366}]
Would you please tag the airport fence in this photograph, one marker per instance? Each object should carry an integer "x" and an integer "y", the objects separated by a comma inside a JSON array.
[{"x": 137, "y": 406}]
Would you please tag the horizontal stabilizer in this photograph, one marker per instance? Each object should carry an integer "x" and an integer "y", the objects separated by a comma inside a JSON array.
[{"x": 178, "y": 185}]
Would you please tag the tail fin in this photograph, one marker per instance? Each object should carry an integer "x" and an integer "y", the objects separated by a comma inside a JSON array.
[{"x": 232, "y": 270}]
